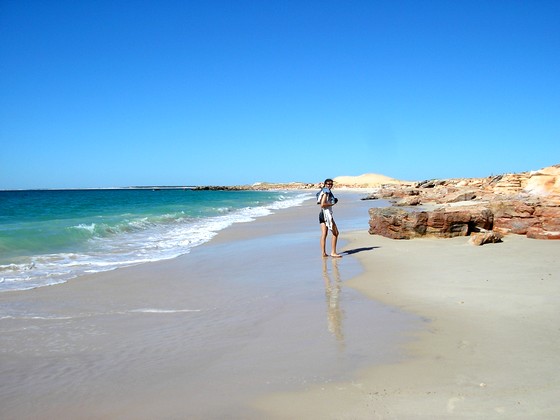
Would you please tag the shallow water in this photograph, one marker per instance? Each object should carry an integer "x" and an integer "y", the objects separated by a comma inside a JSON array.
[{"x": 50, "y": 236}]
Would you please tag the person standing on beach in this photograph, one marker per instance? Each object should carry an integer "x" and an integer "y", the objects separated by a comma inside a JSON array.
[{"x": 327, "y": 200}]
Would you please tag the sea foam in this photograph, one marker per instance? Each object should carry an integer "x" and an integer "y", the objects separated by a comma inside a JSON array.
[{"x": 126, "y": 237}]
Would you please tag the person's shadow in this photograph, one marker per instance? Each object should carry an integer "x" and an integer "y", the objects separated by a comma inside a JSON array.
[{"x": 362, "y": 249}]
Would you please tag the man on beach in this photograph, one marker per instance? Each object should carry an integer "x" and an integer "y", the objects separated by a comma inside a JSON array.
[{"x": 327, "y": 200}]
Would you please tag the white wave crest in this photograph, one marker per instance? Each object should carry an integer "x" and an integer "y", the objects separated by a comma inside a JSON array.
[
  {"x": 133, "y": 242},
  {"x": 162, "y": 311}
]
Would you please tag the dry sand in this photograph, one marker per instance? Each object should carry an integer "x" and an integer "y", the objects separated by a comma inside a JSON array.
[{"x": 490, "y": 344}]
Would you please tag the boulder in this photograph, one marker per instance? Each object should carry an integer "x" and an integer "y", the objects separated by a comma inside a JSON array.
[
  {"x": 447, "y": 222},
  {"x": 430, "y": 183},
  {"x": 481, "y": 238},
  {"x": 408, "y": 201},
  {"x": 397, "y": 223},
  {"x": 459, "y": 196},
  {"x": 459, "y": 221}
]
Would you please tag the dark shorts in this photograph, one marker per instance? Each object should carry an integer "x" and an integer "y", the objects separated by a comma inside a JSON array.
[{"x": 321, "y": 217}]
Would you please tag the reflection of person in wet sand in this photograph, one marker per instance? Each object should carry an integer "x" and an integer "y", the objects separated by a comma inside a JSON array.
[{"x": 332, "y": 294}]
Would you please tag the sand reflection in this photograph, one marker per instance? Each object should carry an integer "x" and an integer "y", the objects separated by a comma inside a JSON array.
[{"x": 335, "y": 315}]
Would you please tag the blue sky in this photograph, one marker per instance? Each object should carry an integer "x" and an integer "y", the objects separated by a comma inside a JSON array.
[{"x": 118, "y": 93}]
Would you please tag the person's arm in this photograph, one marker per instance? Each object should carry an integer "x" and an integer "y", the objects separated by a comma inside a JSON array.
[{"x": 325, "y": 201}]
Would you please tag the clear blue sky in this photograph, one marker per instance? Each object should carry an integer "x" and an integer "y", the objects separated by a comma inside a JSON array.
[{"x": 116, "y": 93}]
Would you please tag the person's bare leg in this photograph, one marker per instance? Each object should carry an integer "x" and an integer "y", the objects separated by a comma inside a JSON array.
[
  {"x": 334, "y": 240},
  {"x": 324, "y": 231}
]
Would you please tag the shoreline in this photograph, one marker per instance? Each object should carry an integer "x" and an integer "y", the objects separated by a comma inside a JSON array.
[
  {"x": 255, "y": 310},
  {"x": 489, "y": 346},
  {"x": 255, "y": 324},
  {"x": 46, "y": 241}
]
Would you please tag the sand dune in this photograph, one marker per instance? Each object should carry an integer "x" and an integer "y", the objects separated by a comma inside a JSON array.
[{"x": 366, "y": 180}]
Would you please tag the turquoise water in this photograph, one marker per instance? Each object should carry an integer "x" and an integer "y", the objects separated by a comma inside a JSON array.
[{"x": 48, "y": 237}]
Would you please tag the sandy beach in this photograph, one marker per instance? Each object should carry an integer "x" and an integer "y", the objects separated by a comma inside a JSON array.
[
  {"x": 255, "y": 324},
  {"x": 489, "y": 348},
  {"x": 254, "y": 311}
]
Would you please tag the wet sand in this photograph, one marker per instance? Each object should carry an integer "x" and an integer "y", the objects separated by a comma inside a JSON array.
[
  {"x": 490, "y": 344},
  {"x": 254, "y": 312}
]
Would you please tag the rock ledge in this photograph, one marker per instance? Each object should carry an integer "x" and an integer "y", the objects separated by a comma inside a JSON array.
[{"x": 524, "y": 204}]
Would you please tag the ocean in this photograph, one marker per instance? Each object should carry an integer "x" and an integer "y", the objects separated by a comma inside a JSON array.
[{"x": 50, "y": 236}]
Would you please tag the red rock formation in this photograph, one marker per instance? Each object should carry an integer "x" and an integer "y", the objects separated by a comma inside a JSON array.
[
  {"x": 524, "y": 204},
  {"x": 548, "y": 227},
  {"x": 397, "y": 223},
  {"x": 513, "y": 216}
]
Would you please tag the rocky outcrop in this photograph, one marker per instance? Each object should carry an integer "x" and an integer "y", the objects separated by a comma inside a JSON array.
[
  {"x": 538, "y": 219},
  {"x": 408, "y": 201},
  {"x": 513, "y": 216},
  {"x": 398, "y": 223},
  {"x": 527, "y": 203},
  {"x": 545, "y": 182},
  {"x": 524, "y": 204},
  {"x": 459, "y": 196}
]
